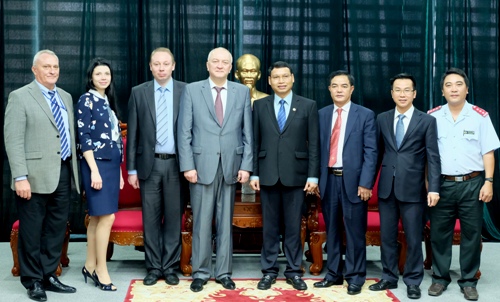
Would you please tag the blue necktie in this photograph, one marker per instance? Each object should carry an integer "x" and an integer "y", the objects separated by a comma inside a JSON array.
[
  {"x": 56, "y": 111},
  {"x": 161, "y": 118},
  {"x": 400, "y": 130},
  {"x": 281, "y": 115}
]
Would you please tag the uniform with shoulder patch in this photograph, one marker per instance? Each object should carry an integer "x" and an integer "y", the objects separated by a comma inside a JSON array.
[
  {"x": 434, "y": 109},
  {"x": 480, "y": 110}
]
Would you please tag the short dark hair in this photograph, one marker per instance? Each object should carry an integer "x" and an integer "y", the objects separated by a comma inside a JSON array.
[
  {"x": 110, "y": 90},
  {"x": 404, "y": 76},
  {"x": 339, "y": 73},
  {"x": 454, "y": 70},
  {"x": 279, "y": 64}
]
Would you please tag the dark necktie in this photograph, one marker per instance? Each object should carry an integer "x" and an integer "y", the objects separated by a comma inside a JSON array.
[
  {"x": 281, "y": 115},
  {"x": 56, "y": 111},
  {"x": 334, "y": 139},
  {"x": 219, "y": 112}
]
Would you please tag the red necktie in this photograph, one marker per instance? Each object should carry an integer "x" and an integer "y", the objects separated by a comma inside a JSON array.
[
  {"x": 218, "y": 105},
  {"x": 334, "y": 139}
]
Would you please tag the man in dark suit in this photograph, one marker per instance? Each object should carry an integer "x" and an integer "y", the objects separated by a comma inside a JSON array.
[
  {"x": 215, "y": 149},
  {"x": 347, "y": 171},
  {"x": 40, "y": 143},
  {"x": 285, "y": 128},
  {"x": 153, "y": 166},
  {"x": 407, "y": 145}
]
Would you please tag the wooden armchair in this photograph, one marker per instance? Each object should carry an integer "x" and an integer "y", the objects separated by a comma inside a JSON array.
[
  {"x": 127, "y": 228},
  {"x": 14, "y": 239},
  {"x": 317, "y": 232}
]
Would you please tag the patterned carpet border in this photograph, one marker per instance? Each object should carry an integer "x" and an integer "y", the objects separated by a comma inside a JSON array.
[{"x": 246, "y": 290}]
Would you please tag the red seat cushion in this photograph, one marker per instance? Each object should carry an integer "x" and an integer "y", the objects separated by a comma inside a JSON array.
[
  {"x": 373, "y": 201},
  {"x": 373, "y": 223},
  {"x": 128, "y": 221},
  {"x": 373, "y": 217},
  {"x": 15, "y": 226},
  {"x": 455, "y": 230},
  {"x": 129, "y": 197},
  {"x": 321, "y": 223}
]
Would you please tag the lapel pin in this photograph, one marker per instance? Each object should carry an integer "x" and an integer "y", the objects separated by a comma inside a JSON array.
[{"x": 294, "y": 109}]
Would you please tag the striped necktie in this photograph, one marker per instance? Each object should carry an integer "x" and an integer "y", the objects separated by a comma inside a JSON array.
[
  {"x": 162, "y": 118},
  {"x": 281, "y": 115},
  {"x": 56, "y": 111}
]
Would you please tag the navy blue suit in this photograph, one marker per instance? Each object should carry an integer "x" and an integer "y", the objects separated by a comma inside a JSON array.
[
  {"x": 339, "y": 194},
  {"x": 402, "y": 191}
]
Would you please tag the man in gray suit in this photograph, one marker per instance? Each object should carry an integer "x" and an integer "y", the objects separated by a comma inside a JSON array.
[
  {"x": 40, "y": 144},
  {"x": 153, "y": 167},
  {"x": 215, "y": 152}
]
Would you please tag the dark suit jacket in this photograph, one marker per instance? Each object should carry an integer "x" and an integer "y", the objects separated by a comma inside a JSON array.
[
  {"x": 418, "y": 148},
  {"x": 359, "y": 155},
  {"x": 291, "y": 156},
  {"x": 141, "y": 128}
]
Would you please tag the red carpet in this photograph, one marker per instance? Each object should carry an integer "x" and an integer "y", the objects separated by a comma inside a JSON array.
[{"x": 246, "y": 290}]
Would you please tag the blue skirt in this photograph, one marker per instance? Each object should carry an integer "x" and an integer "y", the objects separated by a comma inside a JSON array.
[{"x": 103, "y": 201}]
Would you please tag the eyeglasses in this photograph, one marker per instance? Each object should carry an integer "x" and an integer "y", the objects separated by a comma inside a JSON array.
[
  {"x": 405, "y": 91},
  {"x": 284, "y": 77}
]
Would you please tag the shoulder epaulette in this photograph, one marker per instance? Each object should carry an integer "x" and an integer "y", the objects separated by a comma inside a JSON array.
[
  {"x": 434, "y": 109},
  {"x": 480, "y": 110}
]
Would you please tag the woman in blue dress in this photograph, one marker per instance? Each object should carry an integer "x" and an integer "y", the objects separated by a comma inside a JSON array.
[{"x": 100, "y": 145}]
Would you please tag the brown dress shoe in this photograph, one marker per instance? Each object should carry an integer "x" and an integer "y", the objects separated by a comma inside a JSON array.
[
  {"x": 470, "y": 293},
  {"x": 436, "y": 289}
]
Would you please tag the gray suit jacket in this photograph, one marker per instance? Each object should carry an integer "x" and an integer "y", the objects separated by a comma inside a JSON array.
[
  {"x": 32, "y": 138},
  {"x": 202, "y": 141},
  {"x": 141, "y": 127}
]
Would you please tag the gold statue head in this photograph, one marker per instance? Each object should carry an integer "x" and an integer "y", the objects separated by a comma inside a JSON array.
[
  {"x": 248, "y": 73},
  {"x": 248, "y": 69}
]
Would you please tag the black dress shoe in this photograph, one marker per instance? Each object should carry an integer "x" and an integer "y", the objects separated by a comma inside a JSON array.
[
  {"x": 171, "y": 279},
  {"x": 266, "y": 282},
  {"x": 226, "y": 282},
  {"x": 413, "y": 292},
  {"x": 353, "y": 289},
  {"x": 327, "y": 283},
  {"x": 383, "y": 285},
  {"x": 54, "y": 285},
  {"x": 36, "y": 292},
  {"x": 197, "y": 284},
  {"x": 297, "y": 283},
  {"x": 150, "y": 279}
]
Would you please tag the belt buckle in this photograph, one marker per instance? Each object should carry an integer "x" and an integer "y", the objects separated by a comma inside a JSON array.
[
  {"x": 337, "y": 172},
  {"x": 459, "y": 178}
]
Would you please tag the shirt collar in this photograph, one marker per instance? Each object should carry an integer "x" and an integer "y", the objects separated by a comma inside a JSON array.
[
  {"x": 169, "y": 86},
  {"x": 212, "y": 84},
  {"x": 288, "y": 99},
  {"x": 345, "y": 108},
  {"x": 408, "y": 114},
  {"x": 44, "y": 89},
  {"x": 97, "y": 94}
]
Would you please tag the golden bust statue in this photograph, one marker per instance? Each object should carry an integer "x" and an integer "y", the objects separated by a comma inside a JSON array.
[{"x": 248, "y": 73}]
